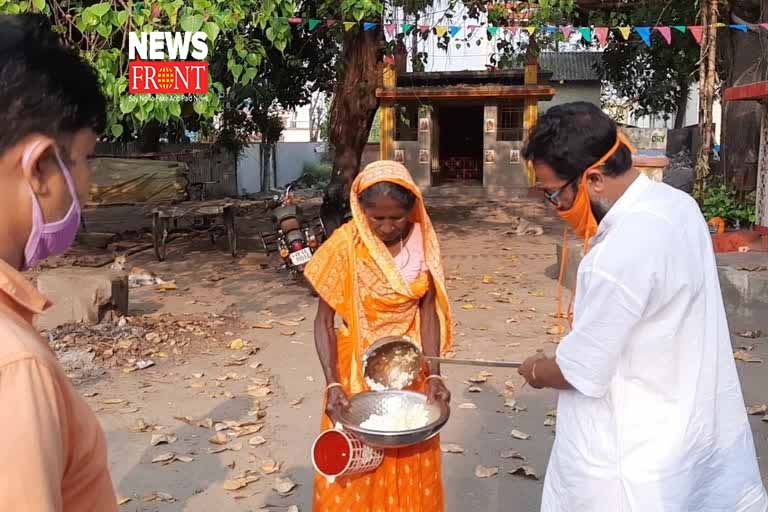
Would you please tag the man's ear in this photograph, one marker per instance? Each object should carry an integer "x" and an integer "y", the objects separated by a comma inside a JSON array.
[
  {"x": 596, "y": 180},
  {"x": 34, "y": 152}
]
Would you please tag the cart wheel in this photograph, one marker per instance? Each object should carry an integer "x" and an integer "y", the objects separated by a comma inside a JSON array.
[
  {"x": 229, "y": 224},
  {"x": 159, "y": 236}
]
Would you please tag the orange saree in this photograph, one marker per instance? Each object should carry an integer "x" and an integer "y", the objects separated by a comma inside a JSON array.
[{"x": 356, "y": 275}]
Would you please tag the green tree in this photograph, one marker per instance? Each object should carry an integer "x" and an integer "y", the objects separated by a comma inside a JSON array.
[{"x": 657, "y": 78}]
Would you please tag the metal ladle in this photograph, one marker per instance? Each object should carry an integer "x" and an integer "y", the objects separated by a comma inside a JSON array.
[{"x": 395, "y": 362}]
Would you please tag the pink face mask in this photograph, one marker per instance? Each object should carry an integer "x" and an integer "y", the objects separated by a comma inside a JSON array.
[{"x": 53, "y": 238}]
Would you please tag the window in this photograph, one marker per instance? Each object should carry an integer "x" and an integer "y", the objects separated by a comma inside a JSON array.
[
  {"x": 510, "y": 122},
  {"x": 407, "y": 122}
]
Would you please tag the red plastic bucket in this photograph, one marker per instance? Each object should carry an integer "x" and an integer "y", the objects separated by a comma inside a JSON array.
[{"x": 337, "y": 453}]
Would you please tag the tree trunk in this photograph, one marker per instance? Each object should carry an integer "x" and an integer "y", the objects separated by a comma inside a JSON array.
[
  {"x": 682, "y": 105},
  {"x": 742, "y": 62},
  {"x": 266, "y": 168},
  {"x": 707, "y": 76},
  {"x": 352, "y": 113}
]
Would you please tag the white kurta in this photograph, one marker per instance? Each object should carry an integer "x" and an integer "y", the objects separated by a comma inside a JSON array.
[{"x": 657, "y": 421}]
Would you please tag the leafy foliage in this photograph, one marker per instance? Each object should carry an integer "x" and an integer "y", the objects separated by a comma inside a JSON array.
[
  {"x": 720, "y": 201},
  {"x": 652, "y": 78}
]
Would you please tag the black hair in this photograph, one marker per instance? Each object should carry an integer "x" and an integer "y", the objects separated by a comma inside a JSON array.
[
  {"x": 404, "y": 197},
  {"x": 573, "y": 136},
  {"x": 45, "y": 87}
]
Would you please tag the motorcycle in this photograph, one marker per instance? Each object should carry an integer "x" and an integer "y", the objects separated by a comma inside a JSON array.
[{"x": 293, "y": 239}]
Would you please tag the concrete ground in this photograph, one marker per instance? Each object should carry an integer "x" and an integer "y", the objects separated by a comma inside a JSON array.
[{"x": 503, "y": 294}]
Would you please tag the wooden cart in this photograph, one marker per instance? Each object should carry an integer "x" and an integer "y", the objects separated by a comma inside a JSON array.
[{"x": 217, "y": 218}]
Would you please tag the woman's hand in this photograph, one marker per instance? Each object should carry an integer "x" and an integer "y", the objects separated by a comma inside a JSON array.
[
  {"x": 437, "y": 392},
  {"x": 336, "y": 402}
]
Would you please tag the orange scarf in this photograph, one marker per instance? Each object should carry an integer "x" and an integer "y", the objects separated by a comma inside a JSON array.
[{"x": 581, "y": 218}]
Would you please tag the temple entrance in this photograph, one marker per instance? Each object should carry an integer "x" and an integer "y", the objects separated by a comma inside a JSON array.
[{"x": 460, "y": 144}]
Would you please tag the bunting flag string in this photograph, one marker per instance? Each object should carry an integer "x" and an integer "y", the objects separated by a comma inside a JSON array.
[{"x": 602, "y": 34}]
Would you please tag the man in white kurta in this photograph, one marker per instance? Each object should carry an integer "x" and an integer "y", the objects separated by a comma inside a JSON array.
[
  {"x": 651, "y": 416},
  {"x": 656, "y": 420}
]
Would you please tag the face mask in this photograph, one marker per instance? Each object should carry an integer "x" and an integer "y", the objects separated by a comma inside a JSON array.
[
  {"x": 580, "y": 216},
  {"x": 53, "y": 238}
]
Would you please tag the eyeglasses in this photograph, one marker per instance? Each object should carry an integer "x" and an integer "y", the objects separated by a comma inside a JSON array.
[{"x": 552, "y": 196}]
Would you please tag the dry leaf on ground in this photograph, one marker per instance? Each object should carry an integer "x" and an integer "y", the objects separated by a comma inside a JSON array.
[
  {"x": 263, "y": 325},
  {"x": 525, "y": 472},
  {"x": 159, "y": 496},
  {"x": 511, "y": 454},
  {"x": 549, "y": 422},
  {"x": 235, "y": 484},
  {"x": 270, "y": 466},
  {"x": 750, "y": 334},
  {"x": 142, "y": 426},
  {"x": 297, "y": 402},
  {"x": 757, "y": 409},
  {"x": 122, "y": 501},
  {"x": 556, "y": 330},
  {"x": 487, "y": 279},
  {"x": 516, "y": 407},
  {"x": 219, "y": 438},
  {"x": 517, "y": 434},
  {"x": 451, "y": 448},
  {"x": 184, "y": 458},
  {"x": 257, "y": 441},
  {"x": 258, "y": 391},
  {"x": 288, "y": 333},
  {"x": 467, "y": 405},
  {"x": 765, "y": 418},
  {"x": 284, "y": 486},
  {"x": 485, "y": 472},
  {"x": 164, "y": 457},
  {"x": 237, "y": 344},
  {"x": 158, "y": 439},
  {"x": 293, "y": 508},
  {"x": 743, "y": 356},
  {"x": 113, "y": 401},
  {"x": 478, "y": 379},
  {"x": 91, "y": 395}
]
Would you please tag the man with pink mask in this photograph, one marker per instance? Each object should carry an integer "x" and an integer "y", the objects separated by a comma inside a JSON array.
[{"x": 54, "y": 456}]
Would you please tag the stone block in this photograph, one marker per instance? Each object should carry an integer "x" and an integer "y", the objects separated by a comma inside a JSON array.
[
  {"x": 81, "y": 295},
  {"x": 572, "y": 263}
]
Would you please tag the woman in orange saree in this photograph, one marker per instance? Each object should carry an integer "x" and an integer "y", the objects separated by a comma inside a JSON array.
[{"x": 382, "y": 274}]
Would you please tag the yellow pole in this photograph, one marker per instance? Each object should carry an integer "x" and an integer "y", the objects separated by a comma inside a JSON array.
[
  {"x": 530, "y": 113},
  {"x": 387, "y": 117}
]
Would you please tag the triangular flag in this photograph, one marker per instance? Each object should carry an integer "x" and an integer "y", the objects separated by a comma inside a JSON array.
[
  {"x": 295, "y": 21},
  {"x": 531, "y": 30},
  {"x": 369, "y": 26},
  {"x": 512, "y": 30},
  {"x": 602, "y": 35},
  {"x": 348, "y": 25},
  {"x": 741, "y": 27},
  {"x": 567, "y": 31},
  {"x": 549, "y": 29},
  {"x": 472, "y": 28},
  {"x": 645, "y": 34},
  {"x": 679, "y": 28},
  {"x": 453, "y": 30},
  {"x": 493, "y": 30},
  {"x": 666, "y": 33},
  {"x": 390, "y": 28},
  {"x": 313, "y": 23},
  {"x": 424, "y": 28},
  {"x": 720, "y": 25},
  {"x": 586, "y": 33},
  {"x": 389, "y": 59},
  {"x": 330, "y": 23},
  {"x": 625, "y": 32},
  {"x": 764, "y": 25},
  {"x": 407, "y": 27},
  {"x": 696, "y": 31},
  {"x": 441, "y": 30}
]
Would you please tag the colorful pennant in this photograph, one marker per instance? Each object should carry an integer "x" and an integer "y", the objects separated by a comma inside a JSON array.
[
  {"x": 625, "y": 32},
  {"x": 586, "y": 33},
  {"x": 696, "y": 31},
  {"x": 645, "y": 34},
  {"x": 295, "y": 21},
  {"x": 453, "y": 30},
  {"x": 602, "y": 36},
  {"x": 680, "y": 28},
  {"x": 666, "y": 33},
  {"x": 493, "y": 30},
  {"x": 313, "y": 23},
  {"x": 567, "y": 31},
  {"x": 348, "y": 25},
  {"x": 390, "y": 28},
  {"x": 441, "y": 30},
  {"x": 407, "y": 27},
  {"x": 369, "y": 26},
  {"x": 739, "y": 27}
]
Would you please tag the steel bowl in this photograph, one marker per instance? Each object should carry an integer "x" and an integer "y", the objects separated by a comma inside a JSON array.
[
  {"x": 389, "y": 357},
  {"x": 366, "y": 403}
]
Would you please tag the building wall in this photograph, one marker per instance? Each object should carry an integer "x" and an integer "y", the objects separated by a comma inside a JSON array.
[
  {"x": 291, "y": 157},
  {"x": 572, "y": 91},
  {"x": 501, "y": 175}
]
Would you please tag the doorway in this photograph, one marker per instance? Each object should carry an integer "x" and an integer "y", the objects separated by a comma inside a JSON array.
[{"x": 461, "y": 144}]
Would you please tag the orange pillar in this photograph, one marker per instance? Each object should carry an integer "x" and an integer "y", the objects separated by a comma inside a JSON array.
[{"x": 387, "y": 117}]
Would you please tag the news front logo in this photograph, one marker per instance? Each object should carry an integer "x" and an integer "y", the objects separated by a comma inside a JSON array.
[{"x": 159, "y": 63}]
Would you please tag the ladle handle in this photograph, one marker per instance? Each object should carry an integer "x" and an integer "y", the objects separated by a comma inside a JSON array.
[{"x": 474, "y": 362}]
